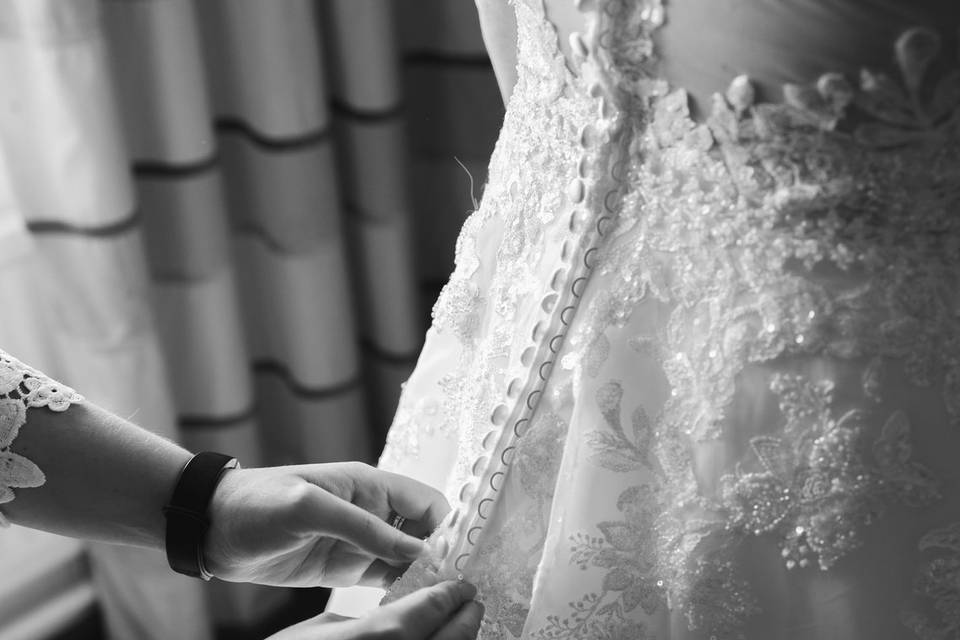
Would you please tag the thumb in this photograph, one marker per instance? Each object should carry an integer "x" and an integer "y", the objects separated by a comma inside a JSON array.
[
  {"x": 313, "y": 628},
  {"x": 366, "y": 531},
  {"x": 426, "y": 611}
]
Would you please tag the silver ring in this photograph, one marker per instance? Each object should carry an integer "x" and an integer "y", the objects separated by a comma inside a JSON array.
[{"x": 396, "y": 520}]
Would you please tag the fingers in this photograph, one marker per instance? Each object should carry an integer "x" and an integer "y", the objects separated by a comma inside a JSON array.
[
  {"x": 465, "y": 625},
  {"x": 327, "y": 618},
  {"x": 362, "y": 529},
  {"x": 423, "y": 506},
  {"x": 381, "y": 492},
  {"x": 380, "y": 574},
  {"x": 425, "y": 612}
]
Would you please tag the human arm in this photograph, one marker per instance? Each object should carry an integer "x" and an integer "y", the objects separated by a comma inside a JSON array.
[
  {"x": 498, "y": 24},
  {"x": 107, "y": 479}
]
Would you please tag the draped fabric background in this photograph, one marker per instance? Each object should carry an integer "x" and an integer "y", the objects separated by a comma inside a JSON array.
[{"x": 259, "y": 283}]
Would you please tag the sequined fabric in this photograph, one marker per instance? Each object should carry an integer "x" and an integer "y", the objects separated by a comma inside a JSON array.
[{"x": 701, "y": 379}]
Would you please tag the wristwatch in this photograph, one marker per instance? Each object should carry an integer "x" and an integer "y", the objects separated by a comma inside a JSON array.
[{"x": 186, "y": 513}]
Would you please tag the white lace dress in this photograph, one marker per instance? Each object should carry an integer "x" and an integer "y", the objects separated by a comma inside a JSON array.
[{"x": 701, "y": 380}]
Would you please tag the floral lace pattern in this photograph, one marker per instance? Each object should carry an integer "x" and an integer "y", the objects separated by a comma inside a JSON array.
[
  {"x": 520, "y": 215},
  {"x": 939, "y": 581},
  {"x": 826, "y": 226},
  {"x": 812, "y": 487},
  {"x": 22, "y": 388},
  {"x": 773, "y": 297},
  {"x": 626, "y": 550},
  {"x": 507, "y": 561}
]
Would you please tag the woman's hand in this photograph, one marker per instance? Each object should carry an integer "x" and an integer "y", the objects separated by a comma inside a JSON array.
[
  {"x": 317, "y": 525},
  {"x": 445, "y": 611}
]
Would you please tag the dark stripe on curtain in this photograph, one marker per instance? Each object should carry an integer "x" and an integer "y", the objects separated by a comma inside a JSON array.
[
  {"x": 216, "y": 422},
  {"x": 249, "y": 229},
  {"x": 386, "y": 356},
  {"x": 366, "y": 115},
  {"x": 358, "y": 215},
  {"x": 161, "y": 169},
  {"x": 280, "y": 370},
  {"x": 120, "y": 227},
  {"x": 171, "y": 277},
  {"x": 287, "y": 143},
  {"x": 433, "y": 58}
]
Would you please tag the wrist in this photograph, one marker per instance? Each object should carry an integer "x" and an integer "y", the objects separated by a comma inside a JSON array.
[
  {"x": 172, "y": 467},
  {"x": 188, "y": 512},
  {"x": 225, "y": 515}
]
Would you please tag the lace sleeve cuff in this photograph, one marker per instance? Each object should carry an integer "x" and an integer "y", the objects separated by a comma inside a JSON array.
[{"x": 23, "y": 388}]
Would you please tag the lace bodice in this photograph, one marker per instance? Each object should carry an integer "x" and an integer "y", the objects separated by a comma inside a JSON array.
[
  {"x": 21, "y": 389},
  {"x": 701, "y": 378},
  {"x": 518, "y": 231}
]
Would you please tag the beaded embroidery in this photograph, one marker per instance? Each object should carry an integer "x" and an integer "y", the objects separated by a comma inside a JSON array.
[
  {"x": 625, "y": 550},
  {"x": 765, "y": 239},
  {"x": 532, "y": 164},
  {"x": 771, "y": 232},
  {"x": 813, "y": 486}
]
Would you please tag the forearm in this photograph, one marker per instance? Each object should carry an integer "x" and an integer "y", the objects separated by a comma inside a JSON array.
[
  {"x": 498, "y": 24},
  {"x": 106, "y": 479}
]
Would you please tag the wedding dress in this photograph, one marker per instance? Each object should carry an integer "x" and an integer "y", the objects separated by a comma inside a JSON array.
[{"x": 696, "y": 374}]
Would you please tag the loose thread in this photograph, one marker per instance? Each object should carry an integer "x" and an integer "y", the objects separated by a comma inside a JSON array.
[{"x": 473, "y": 197}]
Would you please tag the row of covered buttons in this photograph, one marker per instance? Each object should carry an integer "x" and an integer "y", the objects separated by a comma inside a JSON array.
[{"x": 478, "y": 496}]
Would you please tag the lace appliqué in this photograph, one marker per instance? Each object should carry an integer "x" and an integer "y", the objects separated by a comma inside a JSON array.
[
  {"x": 505, "y": 250},
  {"x": 731, "y": 223},
  {"x": 22, "y": 388},
  {"x": 939, "y": 582},
  {"x": 761, "y": 195},
  {"x": 458, "y": 306},
  {"x": 622, "y": 552},
  {"x": 813, "y": 485},
  {"x": 411, "y": 424},
  {"x": 772, "y": 234},
  {"x": 506, "y": 563},
  {"x": 648, "y": 556}
]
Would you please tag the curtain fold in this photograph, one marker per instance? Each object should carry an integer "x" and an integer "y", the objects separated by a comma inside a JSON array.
[
  {"x": 372, "y": 144},
  {"x": 224, "y": 219},
  {"x": 84, "y": 287}
]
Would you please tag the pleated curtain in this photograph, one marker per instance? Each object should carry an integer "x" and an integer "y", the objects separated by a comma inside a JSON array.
[
  {"x": 226, "y": 220},
  {"x": 77, "y": 302}
]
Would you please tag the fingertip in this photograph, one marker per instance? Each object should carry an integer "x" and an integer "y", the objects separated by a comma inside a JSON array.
[
  {"x": 466, "y": 591},
  {"x": 439, "y": 506},
  {"x": 475, "y": 611},
  {"x": 460, "y": 592},
  {"x": 452, "y": 590},
  {"x": 431, "y": 608},
  {"x": 465, "y": 624},
  {"x": 410, "y": 547}
]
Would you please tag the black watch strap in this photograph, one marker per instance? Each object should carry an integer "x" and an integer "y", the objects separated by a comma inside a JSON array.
[{"x": 187, "y": 511}]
